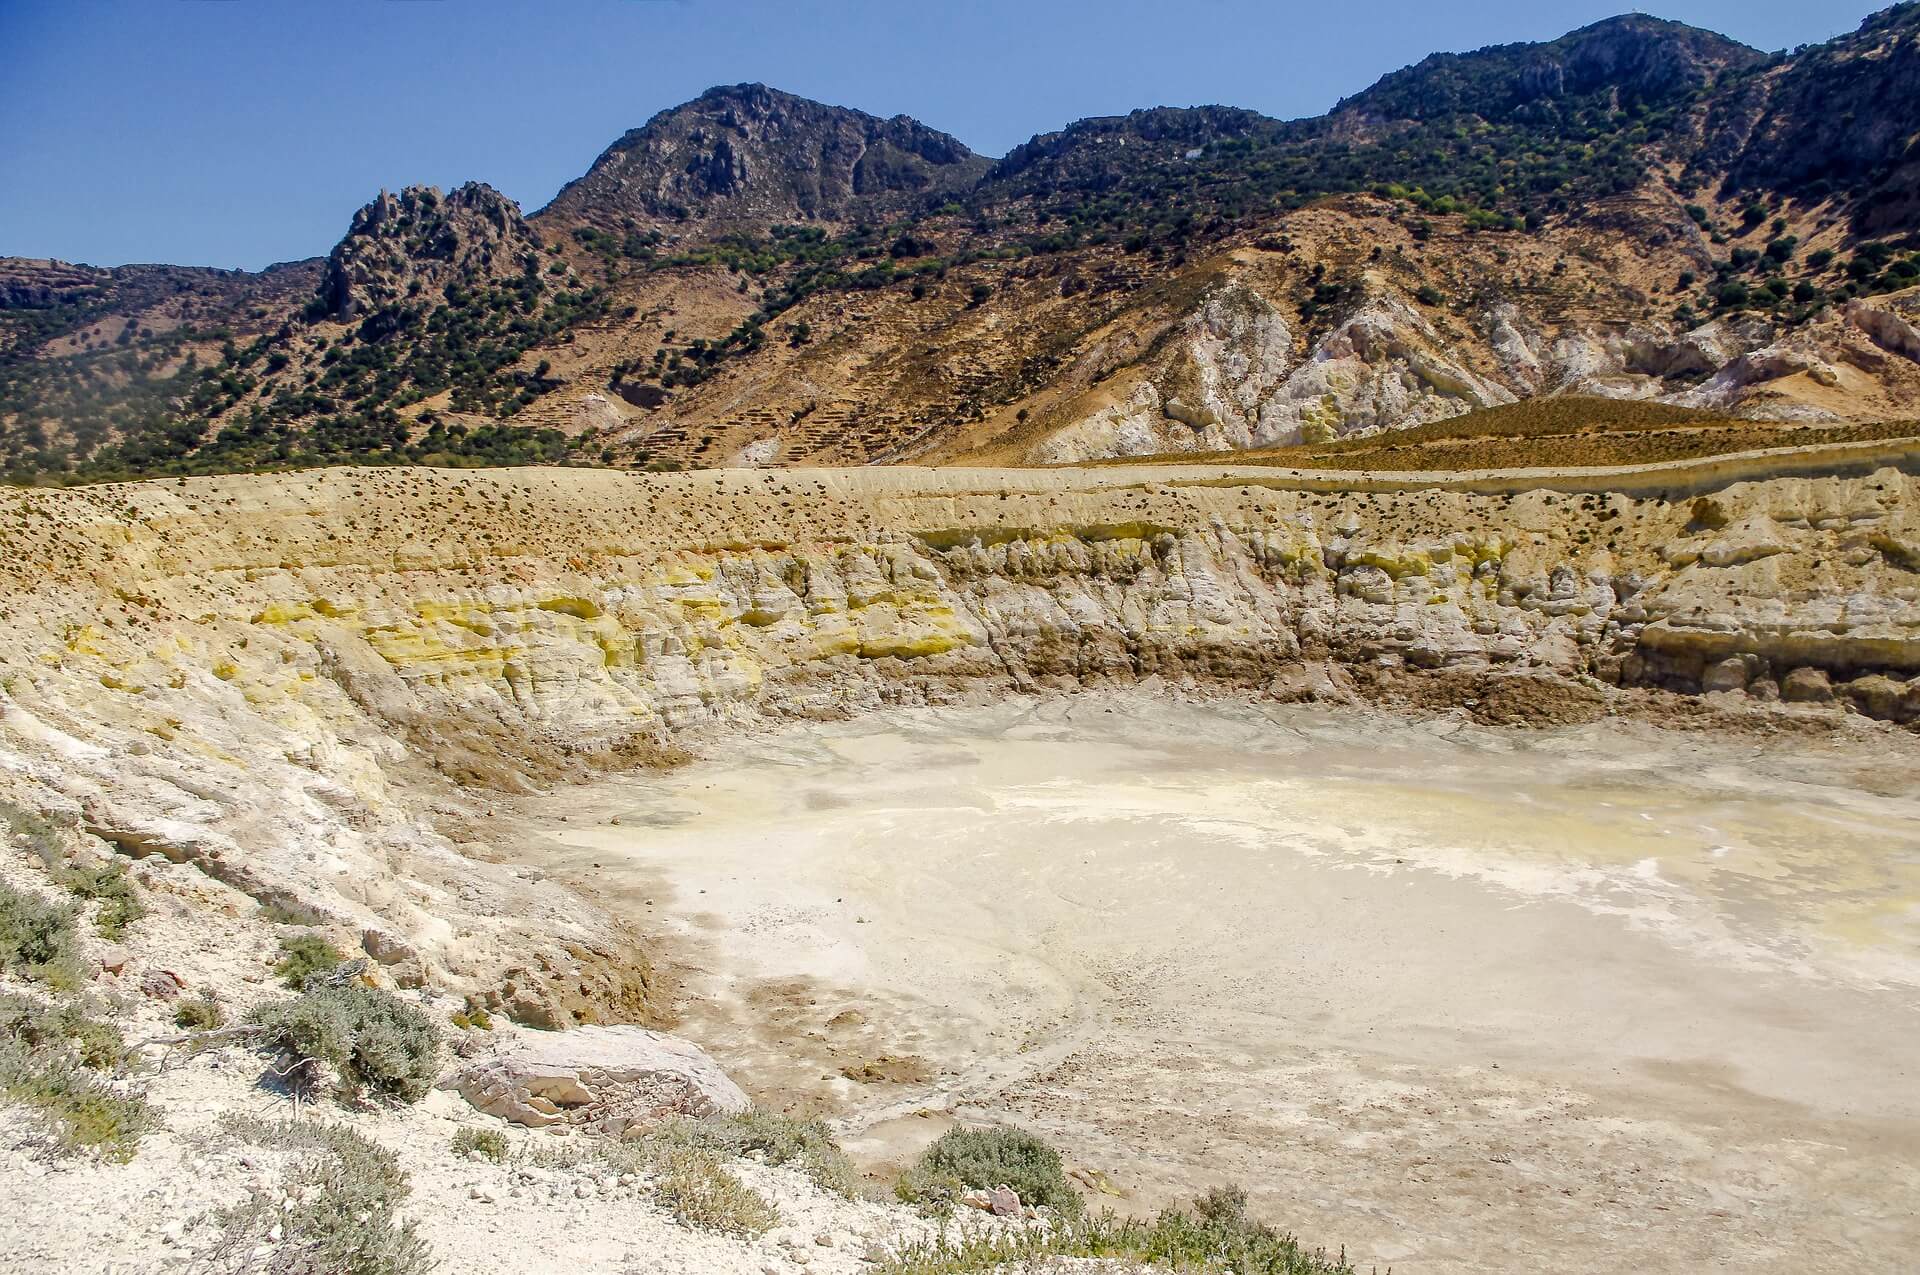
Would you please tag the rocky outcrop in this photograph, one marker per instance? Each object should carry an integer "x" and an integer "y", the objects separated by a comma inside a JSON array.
[
  {"x": 747, "y": 155},
  {"x": 608, "y": 1079},
  {"x": 407, "y": 248},
  {"x": 1890, "y": 329}
]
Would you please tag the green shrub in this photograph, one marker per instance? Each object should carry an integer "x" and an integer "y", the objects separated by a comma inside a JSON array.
[
  {"x": 481, "y": 1144},
  {"x": 1216, "y": 1235},
  {"x": 981, "y": 1159},
  {"x": 37, "y": 939},
  {"x": 89, "y": 1114},
  {"x": 371, "y": 1039},
  {"x": 109, "y": 884},
  {"x": 337, "y": 1212},
  {"x": 303, "y": 956},
  {"x": 199, "y": 1013},
  {"x": 40, "y": 835}
]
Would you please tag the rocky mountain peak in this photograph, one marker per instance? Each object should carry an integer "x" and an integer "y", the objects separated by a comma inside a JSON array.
[
  {"x": 747, "y": 154},
  {"x": 1626, "y": 60},
  {"x": 418, "y": 241}
]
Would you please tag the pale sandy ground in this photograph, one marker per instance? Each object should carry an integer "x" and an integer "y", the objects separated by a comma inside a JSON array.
[
  {"x": 158, "y": 1215},
  {"x": 1459, "y": 1000}
]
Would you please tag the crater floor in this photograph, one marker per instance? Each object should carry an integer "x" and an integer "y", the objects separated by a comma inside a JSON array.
[{"x": 1457, "y": 999}]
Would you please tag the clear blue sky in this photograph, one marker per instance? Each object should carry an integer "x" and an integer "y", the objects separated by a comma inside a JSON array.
[{"x": 241, "y": 132}]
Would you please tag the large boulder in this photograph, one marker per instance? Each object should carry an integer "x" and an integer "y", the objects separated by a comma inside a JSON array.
[{"x": 608, "y": 1079}]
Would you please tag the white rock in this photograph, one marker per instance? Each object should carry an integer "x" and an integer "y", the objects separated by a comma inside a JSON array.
[{"x": 607, "y": 1077}]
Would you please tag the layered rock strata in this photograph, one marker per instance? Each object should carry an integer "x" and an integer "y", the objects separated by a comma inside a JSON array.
[{"x": 300, "y": 681}]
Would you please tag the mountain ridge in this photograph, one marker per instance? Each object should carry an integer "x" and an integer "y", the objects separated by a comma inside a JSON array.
[
  {"x": 753, "y": 153},
  {"x": 752, "y": 277}
]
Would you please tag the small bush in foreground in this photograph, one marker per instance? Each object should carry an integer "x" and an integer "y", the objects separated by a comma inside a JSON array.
[
  {"x": 303, "y": 956},
  {"x": 37, "y": 939},
  {"x": 693, "y": 1184},
  {"x": 90, "y": 1114},
  {"x": 112, "y": 888},
  {"x": 372, "y": 1040},
  {"x": 481, "y": 1144},
  {"x": 1215, "y": 1235},
  {"x": 981, "y": 1159},
  {"x": 337, "y": 1212}
]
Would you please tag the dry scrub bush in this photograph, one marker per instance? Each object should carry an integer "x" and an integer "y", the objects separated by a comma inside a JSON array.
[
  {"x": 110, "y": 886},
  {"x": 36, "y": 1024},
  {"x": 336, "y": 1212},
  {"x": 48, "y": 1057},
  {"x": 371, "y": 1039},
  {"x": 37, "y": 939},
  {"x": 694, "y": 1184},
  {"x": 684, "y": 1165},
  {"x": 305, "y": 956},
  {"x": 807, "y": 1145},
  {"x": 199, "y": 1013}
]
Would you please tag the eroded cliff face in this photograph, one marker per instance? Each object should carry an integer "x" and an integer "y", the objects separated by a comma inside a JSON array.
[
  {"x": 1237, "y": 371},
  {"x": 302, "y": 682}
]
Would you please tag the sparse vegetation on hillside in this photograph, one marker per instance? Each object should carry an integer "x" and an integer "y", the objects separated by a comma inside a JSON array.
[
  {"x": 440, "y": 319},
  {"x": 1562, "y": 432}
]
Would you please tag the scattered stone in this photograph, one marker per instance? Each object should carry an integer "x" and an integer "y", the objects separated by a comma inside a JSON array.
[
  {"x": 114, "y": 958},
  {"x": 387, "y": 948},
  {"x": 889, "y": 1070},
  {"x": 1729, "y": 674},
  {"x": 1878, "y": 695},
  {"x": 1807, "y": 686}
]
